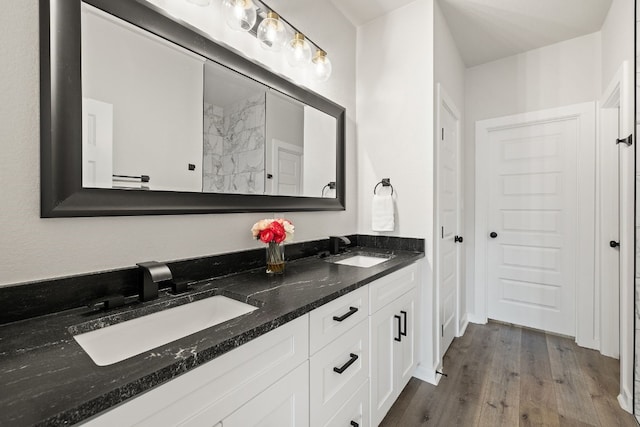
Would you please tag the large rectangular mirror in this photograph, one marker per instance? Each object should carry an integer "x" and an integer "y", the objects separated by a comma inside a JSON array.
[{"x": 143, "y": 115}]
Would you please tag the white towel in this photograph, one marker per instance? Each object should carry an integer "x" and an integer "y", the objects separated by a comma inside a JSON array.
[{"x": 382, "y": 218}]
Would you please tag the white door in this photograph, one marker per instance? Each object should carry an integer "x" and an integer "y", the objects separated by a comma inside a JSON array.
[
  {"x": 97, "y": 144},
  {"x": 532, "y": 217},
  {"x": 407, "y": 345},
  {"x": 285, "y": 169},
  {"x": 448, "y": 218},
  {"x": 609, "y": 231},
  {"x": 384, "y": 327}
]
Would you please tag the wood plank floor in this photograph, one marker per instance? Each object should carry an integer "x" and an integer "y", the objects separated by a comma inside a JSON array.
[{"x": 501, "y": 375}]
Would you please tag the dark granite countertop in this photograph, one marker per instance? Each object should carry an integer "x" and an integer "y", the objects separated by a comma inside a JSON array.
[{"x": 47, "y": 379}]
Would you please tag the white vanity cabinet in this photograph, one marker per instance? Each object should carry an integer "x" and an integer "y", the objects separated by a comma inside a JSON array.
[
  {"x": 342, "y": 364},
  {"x": 214, "y": 391},
  {"x": 392, "y": 328}
]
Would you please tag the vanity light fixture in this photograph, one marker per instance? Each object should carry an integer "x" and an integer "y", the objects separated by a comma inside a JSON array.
[
  {"x": 298, "y": 51},
  {"x": 321, "y": 66},
  {"x": 240, "y": 15},
  {"x": 271, "y": 32}
]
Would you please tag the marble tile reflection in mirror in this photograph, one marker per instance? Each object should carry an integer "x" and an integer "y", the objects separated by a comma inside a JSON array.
[{"x": 152, "y": 108}]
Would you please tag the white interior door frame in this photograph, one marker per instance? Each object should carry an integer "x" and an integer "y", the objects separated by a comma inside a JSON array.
[
  {"x": 584, "y": 114},
  {"x": 610, "y": 121},
  {"x": 445, "y": 101},
  {"x": 619, "y": 94}
]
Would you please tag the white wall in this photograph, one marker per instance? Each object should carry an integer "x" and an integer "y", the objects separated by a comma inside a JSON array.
[
  {"x": 449, "y": 71},
  {"x": 561, "y": 74},
  {"x": 319, "y": 156},
  {"x": 395, "y": 135},
  {"x": 34, "y": 248},
  {"x": 617, "y": 38},
  {"x": 156, "y": 92}
]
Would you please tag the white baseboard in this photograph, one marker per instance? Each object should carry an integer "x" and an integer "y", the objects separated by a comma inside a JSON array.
[
  {"x": 591, "y": 343},
  {"x": 427, "y": 374},
  {"x": 625, "y": 401},
  {"x": 473, "y": 318},
  {"x": 463, "y": 328}
]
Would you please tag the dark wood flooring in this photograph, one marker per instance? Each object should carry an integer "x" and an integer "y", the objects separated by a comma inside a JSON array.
[{"x": 501, "y": 375}]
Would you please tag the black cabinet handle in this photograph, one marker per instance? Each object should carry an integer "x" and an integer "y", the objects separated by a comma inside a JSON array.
[
  {"x": 399, "y": 337},
  {"x": 342, "y": 368},
  {"x": 351, "y": 312},
  {"x": 614, "y": 244},
  {"x": 404, "y": 321},
  {"x": 493, "y": 234},
  {"x": 354, "y": 424}
]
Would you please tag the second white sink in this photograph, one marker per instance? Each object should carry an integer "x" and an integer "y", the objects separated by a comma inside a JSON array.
[
  {"x": 118, "y": 342},
  {"x": 362, "y": 261}
]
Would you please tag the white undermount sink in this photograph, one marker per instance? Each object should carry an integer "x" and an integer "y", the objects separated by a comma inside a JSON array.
[
  {"x": 118, "y": 342},
  {"x": 362, "y": 261}
]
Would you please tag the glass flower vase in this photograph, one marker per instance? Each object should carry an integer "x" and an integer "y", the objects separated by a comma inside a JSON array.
[{"x": 275, "y": 258}]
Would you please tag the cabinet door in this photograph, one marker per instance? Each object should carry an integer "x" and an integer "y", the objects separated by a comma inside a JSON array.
[
  {"x": 406, "y": 351},
  {"x": 284, "y": 404},
  {"x": 385, "y": 331}
]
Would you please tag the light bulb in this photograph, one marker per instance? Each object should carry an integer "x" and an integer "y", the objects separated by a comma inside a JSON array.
[
  {"x": 321, "y": 66},
  {"x": 271, "y": 32},
  {"x": 298, "y": 51},
  {"x": 240, "y": 14}
]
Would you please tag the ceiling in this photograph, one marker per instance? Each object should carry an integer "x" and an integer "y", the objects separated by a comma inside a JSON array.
[{"x": 486, "y": 30}]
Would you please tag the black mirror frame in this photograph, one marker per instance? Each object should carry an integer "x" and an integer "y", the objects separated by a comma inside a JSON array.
[{"x": 62, "y": 194}]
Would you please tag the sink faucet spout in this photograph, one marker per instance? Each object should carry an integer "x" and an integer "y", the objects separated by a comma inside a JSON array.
[
  {"x": 334, "y": 243},
  {"x": 153, "y": 273}
]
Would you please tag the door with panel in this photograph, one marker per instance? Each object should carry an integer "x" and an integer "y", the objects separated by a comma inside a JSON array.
[
  {"x": 393, "y": 356},
  {"x": 532, "y": 223},
  {"x": 97, "y": 144},
  {"x": 448, "y": 217},
  {"x": 286, "y": 168}
]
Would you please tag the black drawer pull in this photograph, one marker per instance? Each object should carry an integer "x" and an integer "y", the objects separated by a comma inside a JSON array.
[
  {"x": 399, "y": 337},
  {"x": 344, "y": 367},
  {"x": 351, "y": 312},
  {"x": 404, "y": 316},
  {"x": 354, "y": 424}
]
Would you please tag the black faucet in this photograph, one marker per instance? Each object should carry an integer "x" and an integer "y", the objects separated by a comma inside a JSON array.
[
  {"x": 153, "y": 273},
  {"x": 334, "y": 243}
]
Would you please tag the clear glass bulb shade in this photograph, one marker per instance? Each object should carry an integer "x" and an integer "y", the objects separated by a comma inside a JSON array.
[
  {"x": 298, "y": 51},
  {"x": 321, "y": 66},
  {"x": 271, "y": 34},
  {"x": 240, "y": 14}
]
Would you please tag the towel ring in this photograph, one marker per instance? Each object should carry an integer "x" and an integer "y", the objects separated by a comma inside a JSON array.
[{"x": 386, "y": 182}]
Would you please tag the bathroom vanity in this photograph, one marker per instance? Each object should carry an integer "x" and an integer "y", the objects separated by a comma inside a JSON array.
[{"x": 326, "y": 341}]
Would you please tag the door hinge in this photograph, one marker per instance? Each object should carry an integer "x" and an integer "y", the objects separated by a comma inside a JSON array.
[
  {"x": 628, "y": 140},
  {"x": 458, "y": 239}
]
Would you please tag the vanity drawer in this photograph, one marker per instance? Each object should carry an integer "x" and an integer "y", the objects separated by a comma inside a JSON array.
[
  {"x": 329, "y": 390},
  {"x": 356, "y": 410},
  {"x": 333, "y": 319},
  {"x": 389, "y": 288}
]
